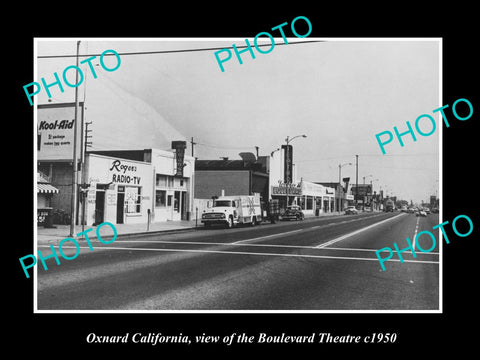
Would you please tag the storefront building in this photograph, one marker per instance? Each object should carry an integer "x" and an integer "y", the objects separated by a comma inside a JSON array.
[
  {"x": 119, "y": 191},
  {"x": 45, "y": 191},
  {"x": 316, "y": 199},
  {"x": 159, "y": 181},
  {"x": 173, "y": 185}
]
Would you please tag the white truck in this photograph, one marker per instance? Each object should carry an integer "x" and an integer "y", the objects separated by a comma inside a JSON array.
[{"x": 233, "y": 210}]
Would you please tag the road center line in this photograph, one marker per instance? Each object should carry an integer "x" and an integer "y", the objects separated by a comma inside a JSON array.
[
  {"x": 333, "y": 241},
  {"x": 304, "y": 229},
  {"x": 267, "y": 236},
  {"x": 415, "y": 234}
]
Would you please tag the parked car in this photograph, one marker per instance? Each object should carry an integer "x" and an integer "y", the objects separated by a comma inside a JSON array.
[
  {"x": 351, "y": 210},
  {"x": 404, "y": 209},
  {"x": 410, "y": 210},
  {"x": 435, "y": 210},
  {"x": 293, "y": 212}
]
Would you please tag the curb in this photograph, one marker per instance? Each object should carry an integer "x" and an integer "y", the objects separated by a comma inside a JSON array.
[{"x": 119, "y": 235}]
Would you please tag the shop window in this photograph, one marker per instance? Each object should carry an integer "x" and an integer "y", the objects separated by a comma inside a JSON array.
[
  {"x": 160, "y": 198},
  {"x": 133, "y": 199},
  {"x": 169, "y": 200},
  {"x": 138, "y": 203},
  {"x": 309, "y": 202},
  {"x": 302, "y": 202}
]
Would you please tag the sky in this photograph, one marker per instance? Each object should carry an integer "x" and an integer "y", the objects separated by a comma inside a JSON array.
[{"x": 338, "y": 92}]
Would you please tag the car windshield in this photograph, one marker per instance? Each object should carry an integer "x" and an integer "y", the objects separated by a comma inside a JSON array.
[{"x": 223, "y": 203}]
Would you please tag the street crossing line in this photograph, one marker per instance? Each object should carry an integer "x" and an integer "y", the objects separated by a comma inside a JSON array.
[
  {"x": 333, "y": 241},
  {"x": 246, "y": 245},
  {"x": 255, "y": 254}
]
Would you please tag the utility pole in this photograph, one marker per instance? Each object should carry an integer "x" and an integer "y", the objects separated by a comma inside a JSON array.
[
  {"x": 193, "y": 143},
  {"x": 87, "y": 143},
  {"x": 192, "y": 180},
  {"x": 356, "y": 181},
  {"x": 73, "y": 204}
]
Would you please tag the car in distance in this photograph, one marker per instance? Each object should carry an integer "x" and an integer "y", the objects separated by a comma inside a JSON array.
[
  {"x": 351, "y": 210},
  {"x": 293, "y": 212},
  {"x": 421, "y": 213},
  {"x": 403, "y": 209}
]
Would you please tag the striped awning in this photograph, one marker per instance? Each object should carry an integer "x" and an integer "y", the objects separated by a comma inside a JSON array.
[{"x": 43, "y": 188}]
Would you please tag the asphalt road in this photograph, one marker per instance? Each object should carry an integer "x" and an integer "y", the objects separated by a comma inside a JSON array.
[{"x": 326, "y": 263}]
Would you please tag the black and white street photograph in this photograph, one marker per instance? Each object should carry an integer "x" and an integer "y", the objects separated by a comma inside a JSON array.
[
  {"x": 226, "y": 175},
  {"x": 220, "y": 180}
]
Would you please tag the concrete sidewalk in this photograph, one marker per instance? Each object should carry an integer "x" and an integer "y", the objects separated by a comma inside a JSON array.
[{"x": 60, "y": 232}]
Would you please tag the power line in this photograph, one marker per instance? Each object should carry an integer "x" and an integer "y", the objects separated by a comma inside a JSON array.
[{"x": 171, "y": 51}]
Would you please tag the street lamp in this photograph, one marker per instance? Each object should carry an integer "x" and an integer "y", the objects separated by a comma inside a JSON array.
[
  {"x": 340, "y": 171},
  {"x": 288, "y": 175},
  {"x": 271, "y": 154},
  {"x": 373, "y": 200},
  {"x": 341, "y": 203},
  {"x": 366, "y": 193}
]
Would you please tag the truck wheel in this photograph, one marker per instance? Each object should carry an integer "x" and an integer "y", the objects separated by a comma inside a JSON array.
[
  {"x": 230, "y": 223},
  {"x": 254, "y": 221}
]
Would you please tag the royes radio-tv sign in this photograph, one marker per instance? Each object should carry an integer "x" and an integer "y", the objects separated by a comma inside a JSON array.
[{"x": 55, "y": 131}]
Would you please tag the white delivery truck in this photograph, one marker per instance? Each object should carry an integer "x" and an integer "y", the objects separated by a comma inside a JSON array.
[{"x": 233, "y": 210}]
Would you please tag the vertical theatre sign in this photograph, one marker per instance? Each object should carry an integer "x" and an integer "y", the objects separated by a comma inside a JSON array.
[
  {"x": 287, "y": 164},
  {"x": 55, "y": 131},
  {"x": 179, "y": 147}
]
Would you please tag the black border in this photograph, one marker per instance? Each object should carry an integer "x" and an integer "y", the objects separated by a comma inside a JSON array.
[{"x": 430, "y": 332}]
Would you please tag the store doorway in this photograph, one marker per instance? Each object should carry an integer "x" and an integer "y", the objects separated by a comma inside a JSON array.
[
  {"x": 184, "y": 207},
  {"x": 99, "y": 207},
  {"x": 120, "y": 207}
]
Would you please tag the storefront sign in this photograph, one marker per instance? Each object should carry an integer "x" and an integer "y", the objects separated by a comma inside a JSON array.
[
  {"x": 284, "y": 189},
  {"x": 55, "y": 131},
  {"x": 124, "y": 173},
  {"x": 179, "y": 147}
]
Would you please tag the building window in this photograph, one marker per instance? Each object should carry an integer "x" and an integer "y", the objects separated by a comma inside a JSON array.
[
  {"x": 301, "y": 200},
  {"x": 160, "y": 198},
  {"x": 133, "y": 199},
  {"x": 170, "y": 181},
  {"x": 161, "y": 180},
  {"x": 309, "y": 202},
  {"x": 169, "y": 200}
]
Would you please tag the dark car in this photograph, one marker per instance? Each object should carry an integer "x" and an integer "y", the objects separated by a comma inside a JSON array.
[
  {"x": 293, "y": 212},
  {"x": 350, "y": 210}
]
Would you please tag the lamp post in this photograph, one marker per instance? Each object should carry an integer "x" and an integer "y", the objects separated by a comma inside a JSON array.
[
  {"x": 288, "y": 179},
  {"x": 366, "y": 193},
  {"x": 371, "y": 185},
  {"x": 340, "y": 205},
  {"x": 340, "y": 171}
]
